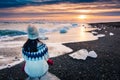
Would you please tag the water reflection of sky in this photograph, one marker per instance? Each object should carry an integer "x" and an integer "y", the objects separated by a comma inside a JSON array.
[
  {"x": 73, "y": 34},
  {"x": 60, "y": 10},
  {"x": 78, "y": 34}
]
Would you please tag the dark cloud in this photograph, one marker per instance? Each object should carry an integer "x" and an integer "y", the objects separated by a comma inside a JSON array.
[
  {"x": 47, "y": 14},
  {"x": 17, "y": 3},
  {"x": 116, "y": 13},
  {"x": 32, "y": 9},
  {"x": 34, "y": 14},
  {"x": 55, "y": 1},
  {"x": 10, "y": 3},
  {"x": 7, "y": 1}
]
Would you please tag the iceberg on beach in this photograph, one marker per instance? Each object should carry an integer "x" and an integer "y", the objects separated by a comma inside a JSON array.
[
  {"x": 92, "y": 54},
  {"x": 83, "y": 54},
  {"x": 80, "y": 54}
]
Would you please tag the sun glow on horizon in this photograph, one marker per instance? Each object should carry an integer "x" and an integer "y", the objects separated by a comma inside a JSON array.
[{"x": 82, "y": 17}]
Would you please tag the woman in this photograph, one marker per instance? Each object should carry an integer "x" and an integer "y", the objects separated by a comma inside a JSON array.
[{"x": 35, "y": 54}]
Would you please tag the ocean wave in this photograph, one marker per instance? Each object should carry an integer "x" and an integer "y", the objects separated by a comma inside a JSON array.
[{"x": 11, "y": 33}]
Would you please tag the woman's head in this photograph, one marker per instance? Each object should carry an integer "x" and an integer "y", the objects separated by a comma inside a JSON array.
[
  {"x": 32, "y": 32},
  {"x": 33, "y": 39}
]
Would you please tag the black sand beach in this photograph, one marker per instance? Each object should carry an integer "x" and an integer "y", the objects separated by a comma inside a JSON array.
[{"x": 105, "y": 67}]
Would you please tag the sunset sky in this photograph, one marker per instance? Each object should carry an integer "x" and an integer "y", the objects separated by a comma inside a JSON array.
[{"x": 60, "y": 10}]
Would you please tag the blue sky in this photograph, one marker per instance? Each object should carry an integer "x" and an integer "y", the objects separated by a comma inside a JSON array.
[{"x": 60, "y": 10}]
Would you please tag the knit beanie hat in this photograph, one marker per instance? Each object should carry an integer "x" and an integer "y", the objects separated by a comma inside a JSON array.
[{"x": 32, "y": 32}]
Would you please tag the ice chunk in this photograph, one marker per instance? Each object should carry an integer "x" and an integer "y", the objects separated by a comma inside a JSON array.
[
  {"x": 106, "y": 31},
  {"x": 111, "y": 34},
  {"x": 63, "y": 30},
  {"x": 81, "y": 54},
  {"x": 43, "y": 37},
  {"x": 95, "y": 33},
  {"x": 92, "y": 54},
  {"x": 100, "y": 35},
  {"x": 104, "y": 28},
  {"x": 1, "y": 57},
  {"x": 99, "y": 29},
  {"x": 41, "y": 30},
  {"x": 74, "y": 25}
]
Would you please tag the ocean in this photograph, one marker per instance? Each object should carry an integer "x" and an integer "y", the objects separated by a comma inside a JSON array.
[{"x": 56, "y": 32}]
